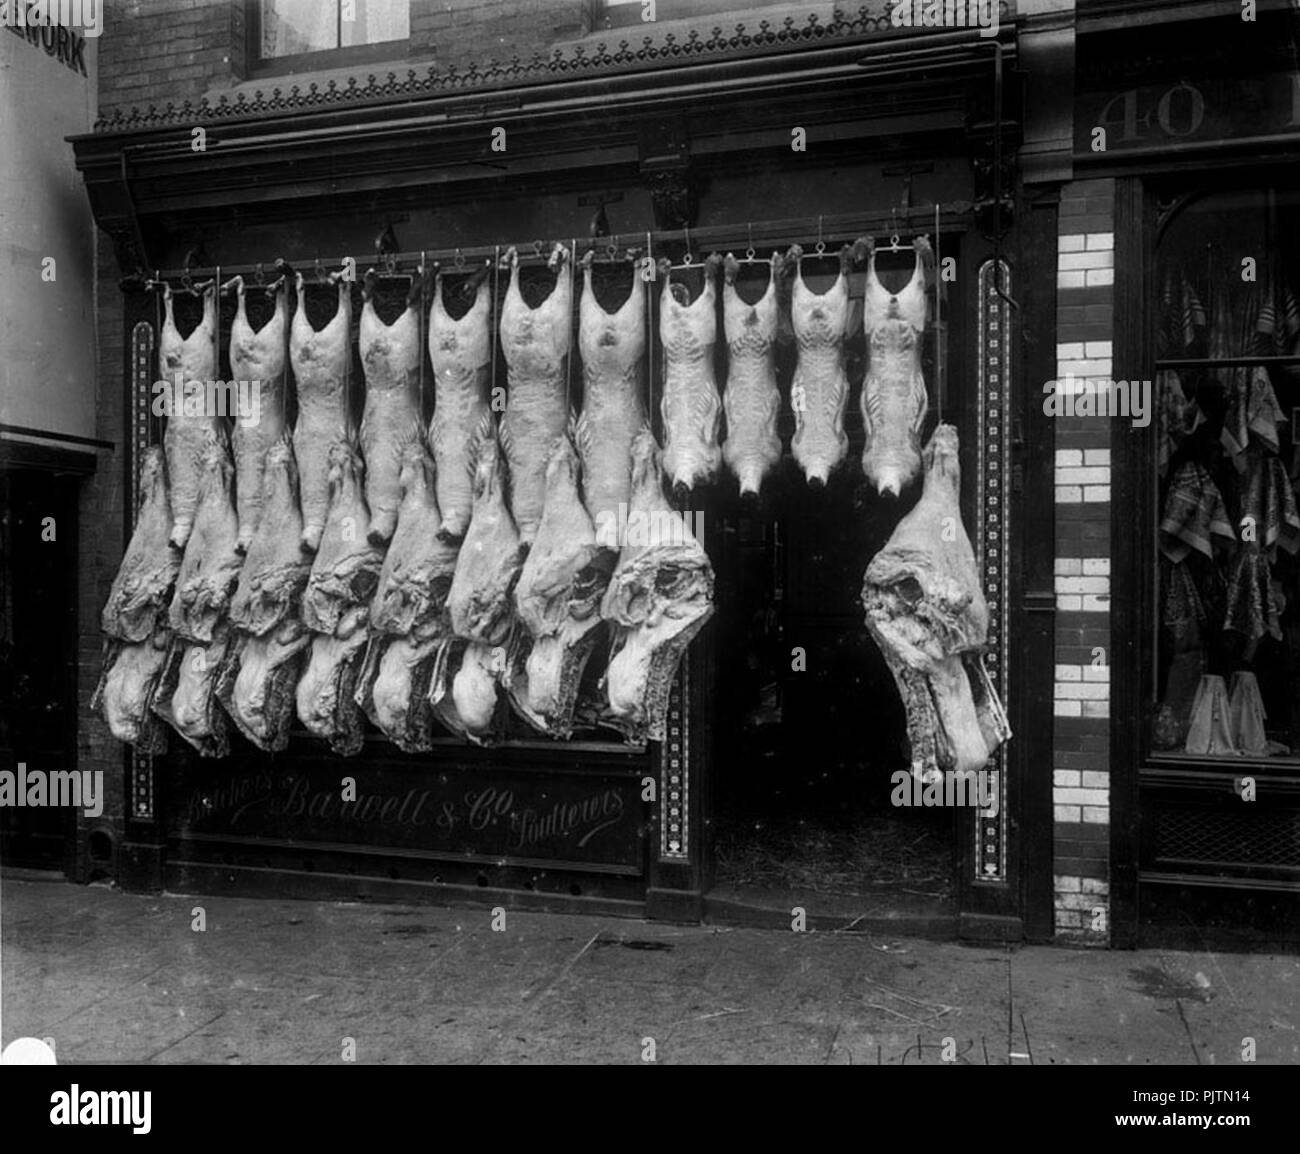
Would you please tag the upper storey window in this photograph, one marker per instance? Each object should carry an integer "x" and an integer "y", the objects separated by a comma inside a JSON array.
[
  {"x": 611, "y": 14},
  {"x": 303, "y": 35}
]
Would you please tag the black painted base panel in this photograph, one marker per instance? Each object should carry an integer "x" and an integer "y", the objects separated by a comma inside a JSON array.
[{"x": 190, "y": 877}]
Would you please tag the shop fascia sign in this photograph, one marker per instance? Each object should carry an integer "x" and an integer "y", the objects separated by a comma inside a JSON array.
[
  {"x": 1222, "y": 108},
  {"x": 59, "y": 26}
]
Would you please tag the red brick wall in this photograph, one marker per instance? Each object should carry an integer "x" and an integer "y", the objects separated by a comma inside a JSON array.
[
  {"x": 161, "y": 51},
  {"x": 170, "y": 52}
]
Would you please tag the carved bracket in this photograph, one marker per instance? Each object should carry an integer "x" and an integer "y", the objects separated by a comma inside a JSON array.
[{"x": 665, "y": 157}]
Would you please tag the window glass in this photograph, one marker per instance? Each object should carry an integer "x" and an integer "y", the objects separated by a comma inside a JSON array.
[
  {"x": 292, "y": 27},
  {"x": 1227, "y": 446}
]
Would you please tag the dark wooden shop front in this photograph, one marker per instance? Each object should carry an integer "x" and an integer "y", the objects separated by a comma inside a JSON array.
[
  {"x": 684, "y": 157},
  {"x": 1204, "y": 138}
]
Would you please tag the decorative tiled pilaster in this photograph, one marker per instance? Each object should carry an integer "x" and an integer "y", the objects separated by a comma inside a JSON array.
[{"x": 1081, "y": 705}]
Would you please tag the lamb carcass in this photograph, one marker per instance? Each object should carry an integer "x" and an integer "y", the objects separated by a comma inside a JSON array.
[
  {"x": 419, "y": 567},
  {"x": 558, "y": 600},
  {"x": 407, "y": 616},
  {"x": 926, "y": 612},
  {"x": 258, "y": 358},
  {"x": 128, "y": 687},
  {"x": 193, "y": 362},
  {"x": 345, "y": 571},
  {"x": 210, "y": 568},
  {"x": 336, "y": 606},
  {"x": 659, "y": 598},
  {"x": 258, "y": 680},
  {"x": 691, "y": 408},
  {"x": 137, "y": 602},
  {"x": 894, "y": 400},
  {"x": 321, "y": 363},
  {"x": 461, "y": 354},
  {"x": 481, "y": 604},
  {"x": 326, "y": 691},
  {"x": 752, "y": 399},
  {"x": 391, "y": 356},
  {"x": 613, "y": 367},
  {"x": 276, "y": 566},
  {"x": 819, "y": 391},
  {"x": 535, "y": 343},
  {"x": 463, "y": 686},
  {"x": 186, "y": 695}
]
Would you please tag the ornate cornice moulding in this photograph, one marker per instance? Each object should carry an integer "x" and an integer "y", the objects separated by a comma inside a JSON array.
[{"x": 578, "y": 60}]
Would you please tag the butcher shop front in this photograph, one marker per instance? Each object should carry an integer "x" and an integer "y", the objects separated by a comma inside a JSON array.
[{"x": 391, "y": 626}]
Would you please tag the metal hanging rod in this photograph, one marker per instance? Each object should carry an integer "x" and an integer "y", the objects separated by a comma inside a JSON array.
[
  {"x": 775, "y": 233},
  {"x": 609, "y": 253},
  {"x": 783, "y": 233}
]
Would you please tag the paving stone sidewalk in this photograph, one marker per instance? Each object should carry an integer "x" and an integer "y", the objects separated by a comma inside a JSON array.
[{"x": 115, "y": 977}]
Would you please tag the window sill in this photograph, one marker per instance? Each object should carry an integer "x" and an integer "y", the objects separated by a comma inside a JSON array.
[{"x": 340, "y": 74}]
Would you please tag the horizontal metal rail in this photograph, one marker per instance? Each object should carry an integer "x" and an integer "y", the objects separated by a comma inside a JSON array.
[{"x": 745, "y": 234}]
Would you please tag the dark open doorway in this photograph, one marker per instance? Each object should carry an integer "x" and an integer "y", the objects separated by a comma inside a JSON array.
[{"x": 38, "y": 648}]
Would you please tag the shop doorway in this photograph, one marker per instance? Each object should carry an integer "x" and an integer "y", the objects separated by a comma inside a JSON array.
[
  {"x": 810, "y": 723},
  {"x": 38, "y": 647}
]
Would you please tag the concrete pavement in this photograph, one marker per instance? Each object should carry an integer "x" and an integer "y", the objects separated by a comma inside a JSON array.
[{"x": 116, "y": 977}]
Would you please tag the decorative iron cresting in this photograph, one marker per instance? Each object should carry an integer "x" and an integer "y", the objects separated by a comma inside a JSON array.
[{"x": 993, "y": 527}]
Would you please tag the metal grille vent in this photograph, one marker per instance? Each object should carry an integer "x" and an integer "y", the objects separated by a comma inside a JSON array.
[{"x": 1213, "y": 837}]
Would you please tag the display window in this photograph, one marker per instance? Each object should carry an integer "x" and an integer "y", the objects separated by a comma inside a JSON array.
[{"x": 1226, "y": 559}]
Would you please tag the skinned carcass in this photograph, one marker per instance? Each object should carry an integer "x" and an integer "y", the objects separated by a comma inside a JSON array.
[
  {"x": 819, "y": 391},
  {"x": 408, "y": 613},
  {"x": 336, "y": 607},
  {"x": 137, "y": 602},
  {"x": 463, "y": 687},
  {"x": 390, "y": 356},
  {"x": 460, "y": 351},
  {"x": 481, "y": 603},
  {"x": 257, "y": 684},
  {"x": 321, "y": 365},
  {"x": 128, "y": 688},
  {"x": 535, "y": 343},
  {"x": 480, "y": 607},
  {"x": 186, "y": 694},
  {"x": 135, "y": 617},
  {"x": 927, "y": 614},
  {"x": 658, "y": 599},
  {"x": 613, "y": 349},
  {"x": 752, "y": 399},
  {"x": 558, "y": 601},
  {"x": 186, "y": 697},
  {"x": 691, "y": 408},
  {"x": 192, "y": 361},
  {"x": 210, "y": 567},
  {"x": 258, "y": 360},
  {"x": 894, "y": 400}
]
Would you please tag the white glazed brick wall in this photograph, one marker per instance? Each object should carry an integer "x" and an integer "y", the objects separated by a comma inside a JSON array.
[
  {"x": 1085, "y": 260},
  {"x": 1078, "y": 902},
  {"x": 1082, "y": 475},
  {"x": 1082, "y": 586}
]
